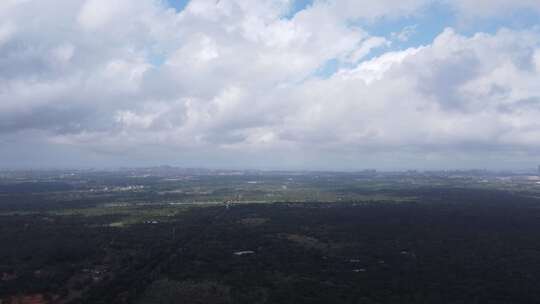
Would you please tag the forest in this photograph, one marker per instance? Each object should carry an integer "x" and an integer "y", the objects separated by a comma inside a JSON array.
[{"x": 437, "y": 244}]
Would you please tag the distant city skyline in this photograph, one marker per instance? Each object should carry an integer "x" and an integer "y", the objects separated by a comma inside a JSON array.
[{"x": 274, "y": 84}]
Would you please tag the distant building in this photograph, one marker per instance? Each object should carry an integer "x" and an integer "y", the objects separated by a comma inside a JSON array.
[
  {"x": 538, "y": 169},
  {"x": 247, "y": 252},
  {"x": 359, "y": 270}
]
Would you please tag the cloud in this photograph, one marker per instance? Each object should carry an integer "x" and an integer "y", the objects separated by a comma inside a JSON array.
[
  {"x": 7, "y": 30},
  {"x": 236, "y": 80},
  {"x": 487, "y": 8},
  {"x": 405, "y": 34},
  {"x": 372, "y": 10}
]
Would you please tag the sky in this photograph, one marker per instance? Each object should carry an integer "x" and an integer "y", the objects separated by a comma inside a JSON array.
[{"x": 270, "y": 84}]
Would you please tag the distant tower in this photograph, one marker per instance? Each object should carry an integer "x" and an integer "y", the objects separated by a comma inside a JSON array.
[{"x": 538, "y": 169}]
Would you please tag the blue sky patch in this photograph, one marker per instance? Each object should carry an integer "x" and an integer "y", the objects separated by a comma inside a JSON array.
[
  {"x": 297, "y": 6},
  {"x": 423, "y": 27},
  {"x": 329, "y": 68},
  {"x": 179, "y": 5}
]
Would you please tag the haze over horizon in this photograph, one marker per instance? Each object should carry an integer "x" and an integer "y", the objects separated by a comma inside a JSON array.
[{"x": 271, "y": 84}]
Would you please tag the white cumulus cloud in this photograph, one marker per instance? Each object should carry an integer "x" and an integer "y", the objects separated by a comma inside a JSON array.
[{"x": 239, "y": 82}]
